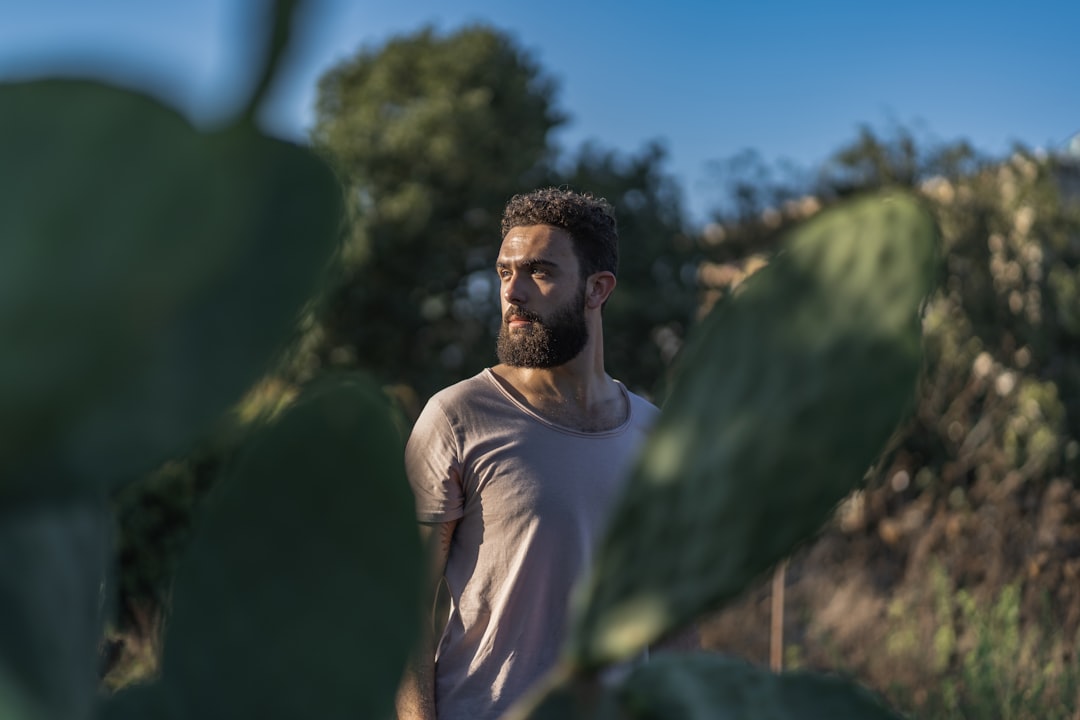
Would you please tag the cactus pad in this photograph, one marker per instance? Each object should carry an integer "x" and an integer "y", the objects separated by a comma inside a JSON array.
[
  {"x": 298, "y": 595},
  {"x": 147, "y": 274},
  {"x": 701, "y": 687},
  {"x": 785, "y": 397}
]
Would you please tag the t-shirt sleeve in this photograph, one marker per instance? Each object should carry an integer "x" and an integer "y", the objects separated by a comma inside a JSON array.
[{"x": 433, "y": 466}]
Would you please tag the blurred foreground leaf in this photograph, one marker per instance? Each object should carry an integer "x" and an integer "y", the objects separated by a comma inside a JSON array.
[
  {"x": 142, "y": 701},
  {"x": 297, "y": 597},
  {"x": 14, "y": 702},
  {"x": 701, "y": 686},
  {"x": 712, "y": 687},
  {"x": 147, "y": 273},
  {"x": 787, "y": 394},
  {"x": 52, "y": 566}
]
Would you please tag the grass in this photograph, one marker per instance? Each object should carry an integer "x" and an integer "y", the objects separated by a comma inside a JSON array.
[{"x": 982, "y": 661}]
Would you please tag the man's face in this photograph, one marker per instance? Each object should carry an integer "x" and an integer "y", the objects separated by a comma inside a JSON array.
[{"x": 543, "y": 298}]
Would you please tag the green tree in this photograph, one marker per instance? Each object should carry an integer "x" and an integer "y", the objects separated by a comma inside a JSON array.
[{"x": 431, "y": 136}]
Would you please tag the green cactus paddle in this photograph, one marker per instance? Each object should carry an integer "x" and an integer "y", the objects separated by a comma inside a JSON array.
[{"x": 787, "y": 394}]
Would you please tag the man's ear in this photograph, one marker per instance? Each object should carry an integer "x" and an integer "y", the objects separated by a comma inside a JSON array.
[{"x": 598, "y": 288}]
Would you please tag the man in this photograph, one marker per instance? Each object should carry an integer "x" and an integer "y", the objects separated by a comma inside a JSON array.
[{"x": 514, "y": 470}]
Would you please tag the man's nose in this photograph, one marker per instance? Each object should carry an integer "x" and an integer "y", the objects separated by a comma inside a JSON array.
[{"x": 514, "y": 290}]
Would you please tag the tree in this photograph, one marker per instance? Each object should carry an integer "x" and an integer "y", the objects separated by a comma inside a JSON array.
[{"x": 431, "y": 136}]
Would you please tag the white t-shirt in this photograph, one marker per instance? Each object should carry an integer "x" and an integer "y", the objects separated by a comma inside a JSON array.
[{"x": 531, "y": 498}]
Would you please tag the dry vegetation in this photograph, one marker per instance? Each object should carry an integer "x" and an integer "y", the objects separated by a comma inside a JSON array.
[{"x": 950, "y": 584}]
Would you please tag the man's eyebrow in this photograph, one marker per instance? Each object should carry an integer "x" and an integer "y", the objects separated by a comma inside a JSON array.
[{"x": 527, "y": 262}]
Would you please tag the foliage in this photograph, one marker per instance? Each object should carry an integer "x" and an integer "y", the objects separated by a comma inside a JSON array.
[
  {"x": 1002, "y": 391},
  {"x": 995, "y": 440},
  {"x": 699, "y": 686},
  {"x": 765, "y": 199},
  {"x": 1004, "y": 394},
  {"x": 143, "y": 293},
  {"x": 870, "y": 162},
  {"x": 102, "y": 310},
  {"x": 304, "y": 609},
  {"x": 984, "y": 477},
  {"x": 153, "y": 527},
  {"x": 987, "y": 661},
  {"x": 431, "y": 136}
]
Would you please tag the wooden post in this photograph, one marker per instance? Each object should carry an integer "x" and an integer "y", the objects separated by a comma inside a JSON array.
[{"x": 776, "y": 634}]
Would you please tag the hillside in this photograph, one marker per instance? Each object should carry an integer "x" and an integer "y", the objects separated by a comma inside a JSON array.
[{"x": 950, "y": 583}]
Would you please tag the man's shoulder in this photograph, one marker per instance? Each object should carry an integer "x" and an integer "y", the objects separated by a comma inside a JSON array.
[
  {"x": 642, "y": 410},
  {"x": 474, "y": 396},
  {"x": 463, "y": 391},
  {"x": 641, "y": 401}
]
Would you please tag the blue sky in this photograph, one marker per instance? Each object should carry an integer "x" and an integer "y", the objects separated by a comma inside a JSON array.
[{"x": 792, "y": 81}]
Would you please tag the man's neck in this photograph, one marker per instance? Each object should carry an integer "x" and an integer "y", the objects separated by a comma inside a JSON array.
[{"x": 578, "y": 394}]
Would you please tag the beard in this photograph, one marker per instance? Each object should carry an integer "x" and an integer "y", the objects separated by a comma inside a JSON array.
[{"x": 544, "y": 343}]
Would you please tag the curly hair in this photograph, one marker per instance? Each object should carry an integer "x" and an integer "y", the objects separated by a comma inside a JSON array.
[{"x": 590, "y": 222}]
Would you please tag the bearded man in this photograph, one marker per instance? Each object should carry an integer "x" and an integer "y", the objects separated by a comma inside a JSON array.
[{"x": 515, "y": 470}]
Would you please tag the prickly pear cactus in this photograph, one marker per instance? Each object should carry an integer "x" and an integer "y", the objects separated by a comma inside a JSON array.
[
  {"x": 703, "y": 687},
  {"x": 148, "y": 271},
  {"x": 786, "y": 396},
  {"x": 288, "y": 603},
  {"x": 706, "y": 686}
]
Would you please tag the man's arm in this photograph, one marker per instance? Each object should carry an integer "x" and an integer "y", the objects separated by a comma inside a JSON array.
[{"x": 416, "y": 694}]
